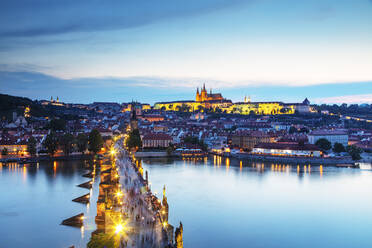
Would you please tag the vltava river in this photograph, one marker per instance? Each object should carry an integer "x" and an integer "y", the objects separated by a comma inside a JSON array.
[
  {"x": 34, "y": 199},
  {"x": 223, "y": 204}
]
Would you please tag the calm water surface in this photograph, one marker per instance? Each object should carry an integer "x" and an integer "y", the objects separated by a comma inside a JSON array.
[
  {"x": 223, "y": 204},
  {"x": 34, "y": 201}
]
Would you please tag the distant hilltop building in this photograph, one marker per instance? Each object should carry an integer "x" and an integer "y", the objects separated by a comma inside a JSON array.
[
  {"x": 53, "y": 102},
  {"x": 203, "y": 96},
  {"x": 127, "y": 107},
  {"x": 215, "y": 102}
]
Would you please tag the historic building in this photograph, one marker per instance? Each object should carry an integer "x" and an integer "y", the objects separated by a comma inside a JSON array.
[
  {"x": 247, "y": 140},
  {"x": 280, "y": 149},
  {"x": 203, "y": 96},
  {"x": 333, "y": 136},
  {"x": 215, "y": 102},
  {"x": 153, "y": 140},
  {"x": 52, "y": 102}
]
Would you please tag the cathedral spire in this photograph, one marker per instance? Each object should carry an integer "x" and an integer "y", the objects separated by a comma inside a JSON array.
[{"x": 204, "y": 87}]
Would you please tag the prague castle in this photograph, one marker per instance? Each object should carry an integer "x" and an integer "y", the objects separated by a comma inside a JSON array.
[
  {"x": 203, "y": 96},
  {"x": 215, "y": 102}
]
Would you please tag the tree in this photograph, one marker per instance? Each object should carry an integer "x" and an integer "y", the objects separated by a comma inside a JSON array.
[
  {"x": 51, "y": 143},
  {"x": 217, "y": 110},
  {"x": 304, "y": 130},
  {"x": 195, "y": 141},
  {"x": 82, "y": 142},
  {"x": 185, "y": 108},
  {"x": 292, "y": 129},
  {"x": 31, "y": 146},
  {"x": 134, "y": 139},
  {"x": 102, "y": 240},
  {"x": 57, "y": 125},
  {"x": 338, "y": 147},
  {"x": 95, "y": 141},
  {"x": 4, "y": 152},
  {"x": 67, "y": 141},
  {"x": 323, "y": 144},
  {"x": 354, "y": 152},
  {"x": 170, "y": 150},
  {"x": 283, "y": 110}
]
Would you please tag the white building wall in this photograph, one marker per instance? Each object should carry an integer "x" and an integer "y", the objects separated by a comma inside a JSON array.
[{"x": 343, "y": 139}]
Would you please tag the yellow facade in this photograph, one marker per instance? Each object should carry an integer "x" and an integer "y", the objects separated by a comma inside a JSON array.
[
  {"x": 215, "y": 102},
  {"x": 180, "y": 106},
  {"x": 129, "y": 107},
  {"x": 263, "y": 108}
]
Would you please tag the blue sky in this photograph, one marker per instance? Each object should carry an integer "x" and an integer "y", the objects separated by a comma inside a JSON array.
[{"x": 118, "y": 50}]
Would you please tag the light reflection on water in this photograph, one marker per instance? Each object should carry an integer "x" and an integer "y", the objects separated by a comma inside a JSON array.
[
  {"x": 231, "y": 203},
  {"x": 36, "y": 198}
]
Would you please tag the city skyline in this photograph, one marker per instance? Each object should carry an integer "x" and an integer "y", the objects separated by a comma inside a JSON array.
[{"x": 270, "y": 50}]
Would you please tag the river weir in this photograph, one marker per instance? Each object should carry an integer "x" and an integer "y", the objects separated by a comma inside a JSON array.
[{"x": 128, "y": 210}]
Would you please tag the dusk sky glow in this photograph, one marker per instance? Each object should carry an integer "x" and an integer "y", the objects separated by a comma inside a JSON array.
[{"x": 162, "y": 50}]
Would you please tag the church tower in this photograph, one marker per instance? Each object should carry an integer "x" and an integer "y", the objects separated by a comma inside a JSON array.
[
  {"x": 197, "y": 95},
  {"x": 133, "y": 118},
  {"x": 204, "y": 94}
]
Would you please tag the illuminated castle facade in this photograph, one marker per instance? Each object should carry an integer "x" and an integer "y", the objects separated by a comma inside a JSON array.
[
  {"x": 53, "y": 102},
  {"x": 215, "y": 102},
  {"x": 203, "y": 96}
]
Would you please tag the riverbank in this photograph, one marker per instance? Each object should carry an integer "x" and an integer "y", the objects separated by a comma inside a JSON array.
[
  {"x": 41, "y": 158},
  {"x": 291, "y": 160}
]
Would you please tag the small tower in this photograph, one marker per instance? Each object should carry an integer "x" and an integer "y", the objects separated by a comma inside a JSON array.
[
  {"x": 133, "y": 119},
  {"x": 165, "y": 207},
  {"x": 57, "y": 99},
  {"x": 306, "y": 101},
  {"x": 197, "y": 95},
  {"x": 51, "y": 99},
  {"x": 179, "y": 234},
  {"x": 203, "y": 94}
]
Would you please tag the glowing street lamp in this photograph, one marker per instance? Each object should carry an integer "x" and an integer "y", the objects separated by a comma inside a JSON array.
[
  {"x": 119, "y": 228},
  {"x": 112, "y": 152}
]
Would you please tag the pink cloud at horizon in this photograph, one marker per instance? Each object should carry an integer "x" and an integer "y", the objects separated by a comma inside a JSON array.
[{"x": 349, "y": 99}]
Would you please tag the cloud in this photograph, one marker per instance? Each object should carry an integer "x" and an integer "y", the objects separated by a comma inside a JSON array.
[
  {"x": 23, "y": 67},
  {"x": 154, "y": 89},
  {"x": 349, "y": 99},
  {"x": 26, "y": 18}
]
